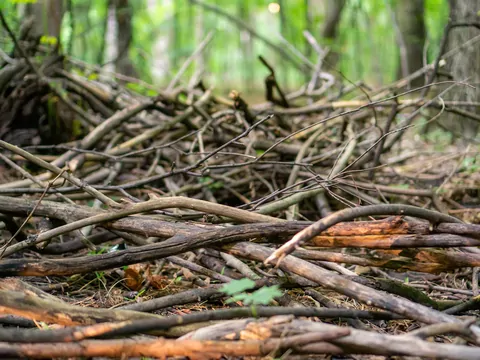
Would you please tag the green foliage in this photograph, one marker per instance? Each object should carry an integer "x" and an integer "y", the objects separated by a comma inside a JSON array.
[
  {"x": 471, "y": 164},
  {"x": 23, "y": 1},
  {"x": 439, "y": 137},
  {"x": 262, "y": 296},
  {"x": 366, "y": 39},
  {"x": 141, "y": 89},
  {"x": 210, "y": 183},
  {"x": 237, "y": 289},
  {"x": 237, "y": 286},
  {"x": 48, "y": 40}
]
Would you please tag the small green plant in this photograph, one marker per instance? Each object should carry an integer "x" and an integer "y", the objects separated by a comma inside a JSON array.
[
  {"x": 99, "y": 251},
  {"x": 48, "y": 40},
  {"x": 237, "y": 290},
  {"x": 210, "y": 183},
  {"x": 141, "y": 89},
  {"x": 470, "y": 164}
]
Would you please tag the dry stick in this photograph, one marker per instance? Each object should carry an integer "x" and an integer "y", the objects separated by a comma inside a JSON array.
[
  {"x": 153, "y": 132},
  {"x": 166, "y": 348},
  {"x": 181, "y": 298},
  {"x": 298, "y": 197},
  {"x": 53, "y": 310},
  {"x": 362, "y": 104},
  {"x": 345, "y": 286},
  {"x": 188, "y": 168},
  {"x": 295, "y": 170},
  {"x": 187, "y": 63},
  {"x": 379, "y": 149},
  {"x": 199, "y": 269},
  {"x": 144, "y": 225},
  {"x": 318, "y": 123},
  {"x": 461, "y": 329},
  {"x": 341, "y": 162},
  {"x": 157, "y": 204},
  {"x": 5, "y": 246},
  {"x": 91, "y": 139},
  {"x": 36, "y": 181},
  {"x": 96, "y": 204},
  {"x": 352, "y": 213},
  {"x": 40, "y": 75},
  {"x": 117, "y": 329},
  {"x": 240, "y": 312},
  {"x": 410, "y": 118},
  {"x": 385, "y": 188},
  {"x": 56, "y": 170},
  {"x": 367, "y": 342},
  {"x": 237, "y": 264},
  {"x": 175, "y": 245}
]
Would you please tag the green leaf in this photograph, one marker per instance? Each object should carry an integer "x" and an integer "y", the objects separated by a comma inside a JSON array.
[
  {"x": 204, "y": 179},
  {"x": 216, "y": 185},
  {"x": 48, "y": 40},
  {"x": 263, "y": 296},
  {"x": 237, "y": 286},
  {"x": 239, "y": 297}
]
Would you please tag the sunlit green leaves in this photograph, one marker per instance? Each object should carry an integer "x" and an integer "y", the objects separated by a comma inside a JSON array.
[
  {"x": 237, "y": 286},
  {"x": 139, "y": 88},
  {"x": 237, "y": 289},
  {"x": 48, "y": 40}
]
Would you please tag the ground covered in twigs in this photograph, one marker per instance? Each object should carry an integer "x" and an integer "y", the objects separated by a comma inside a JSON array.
[{"x": 154, "y": 225}]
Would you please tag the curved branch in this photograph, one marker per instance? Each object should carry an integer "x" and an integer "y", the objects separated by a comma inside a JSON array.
[{"x": 352, "y": 213}]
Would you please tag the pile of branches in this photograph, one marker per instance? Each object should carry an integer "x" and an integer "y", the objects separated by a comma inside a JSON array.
[{"x": 149, "y": 201}]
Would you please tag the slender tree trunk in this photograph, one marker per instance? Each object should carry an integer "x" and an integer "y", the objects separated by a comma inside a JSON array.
[
  {"x": 410, "y": 37},
  {"x": 111, "y": 38},
  {"x": 124, "y": 14},
  {"x": 330, "y": 29},
  {"x": 246, "y": 44},
  {"x": 102, "y": 50},
  {"x": 308, "y": 27},
  {"x": 285, "y": 32},
  {"x": 48, "y": 16},
  {"x": 42, "y": 18},
  {"x": 464, "y": 65},
  {"x": 162, "y": 50}
]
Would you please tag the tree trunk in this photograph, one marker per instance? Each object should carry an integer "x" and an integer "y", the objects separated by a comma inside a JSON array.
[
  {"x": 410, "y": 37},
  {"x": 48, "y": 16},
  {"x": 329, "y": 33},
  {"x": 464, "y": 65},
  {"x": 124, "y": 13},
  {"x": 162, "y": 45}
]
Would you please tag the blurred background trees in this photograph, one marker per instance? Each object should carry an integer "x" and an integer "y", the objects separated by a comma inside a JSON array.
[
  {"x": 376, "y": 41},
  {"x": 372, "y": 40}
]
